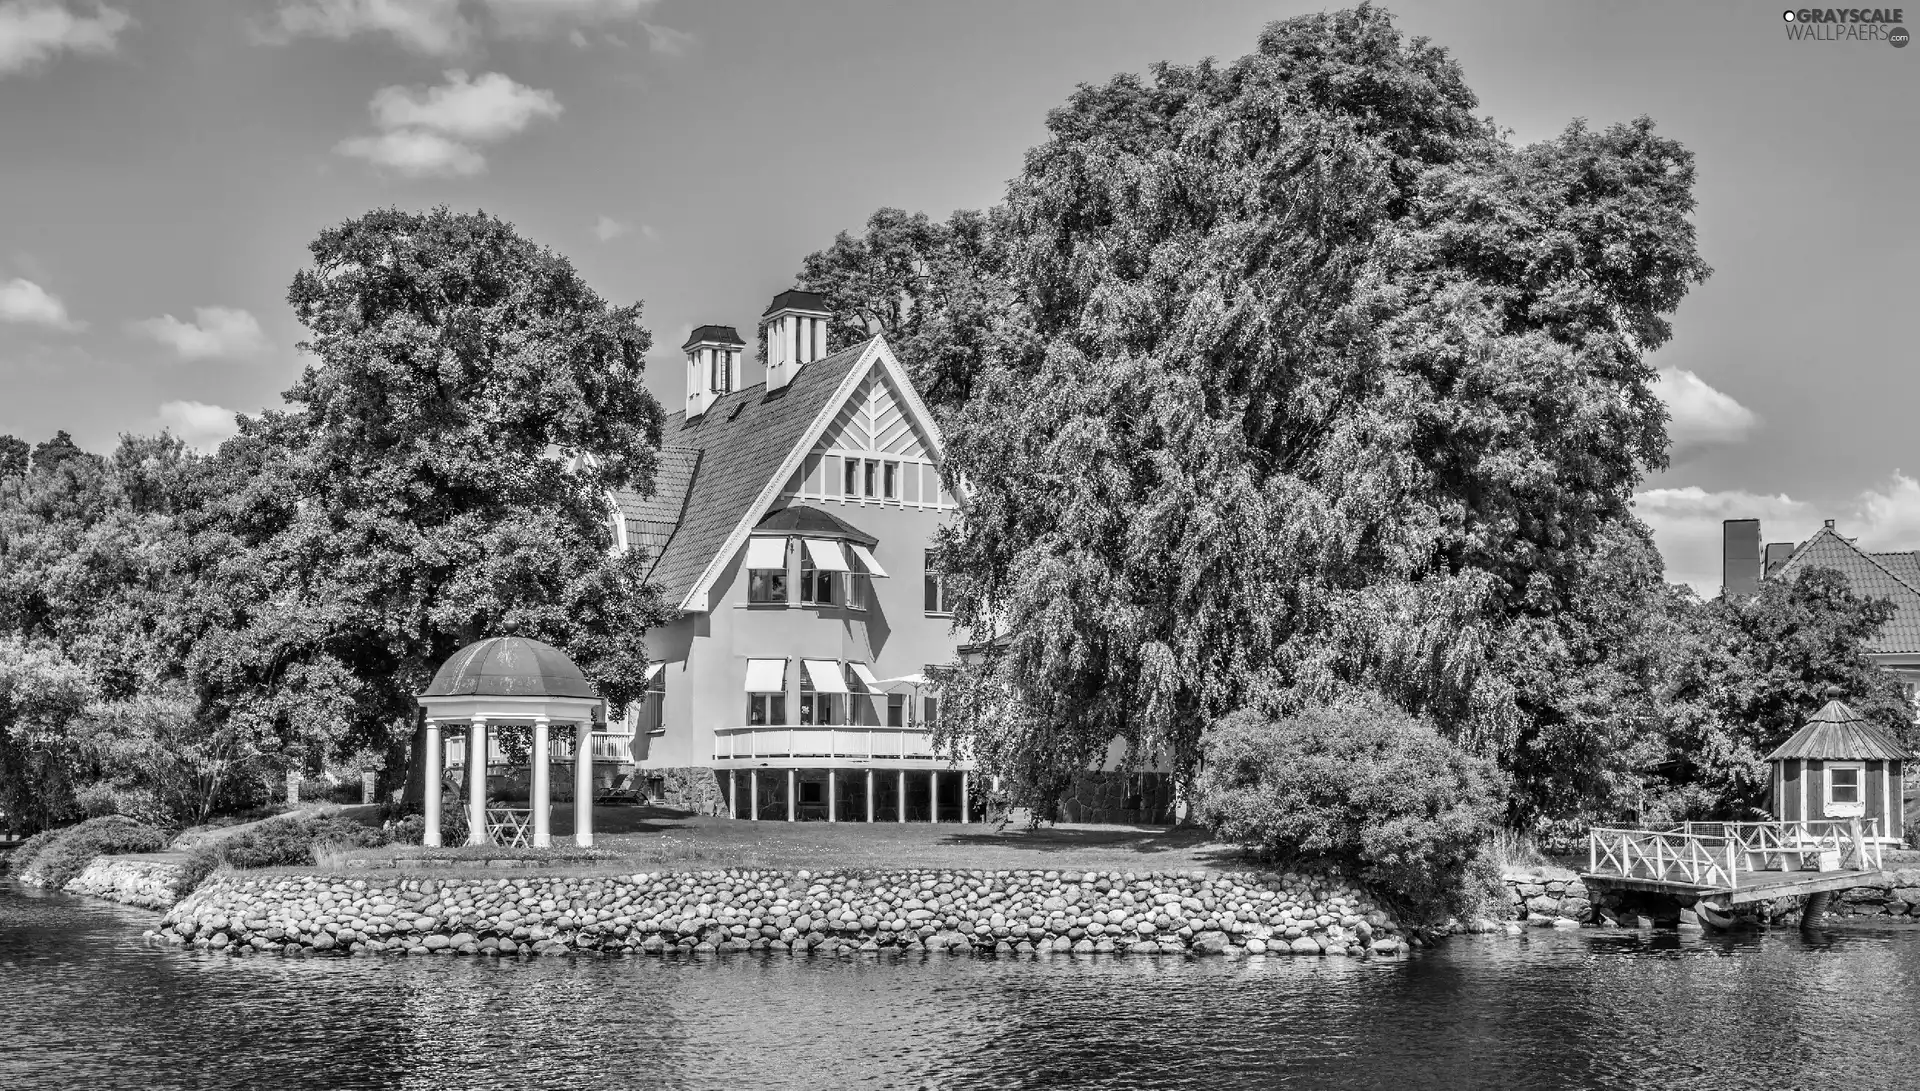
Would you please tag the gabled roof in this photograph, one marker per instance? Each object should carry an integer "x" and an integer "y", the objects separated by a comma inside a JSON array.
[
  {"x": 811, "y": 522},
  {"x": 649, "y": 521},
  {"x": 1838, "y": 733},
  {"x": 1868, "y": 576},
  {"x": 737, "y": 446},
  {"x": 724, "y": 335}
]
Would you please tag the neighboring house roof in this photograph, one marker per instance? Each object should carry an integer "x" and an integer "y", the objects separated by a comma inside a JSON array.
[
  {"x": 720, "y": 334},
  {"x": 1838, "y": 733},
  {"x": 1869, "y": 576},
  {"x": 812, "y": 522},
  {"x": 738, "y": 455}
]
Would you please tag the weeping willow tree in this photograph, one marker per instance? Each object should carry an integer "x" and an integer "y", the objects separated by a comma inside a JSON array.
[{"x": 1303, "y": 378}]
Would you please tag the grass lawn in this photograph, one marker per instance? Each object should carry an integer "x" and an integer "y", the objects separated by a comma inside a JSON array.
[{"x": 647, "y": 838}]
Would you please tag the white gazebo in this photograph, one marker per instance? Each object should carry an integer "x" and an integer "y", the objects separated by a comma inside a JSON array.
[{"x": 511, "y": 681}]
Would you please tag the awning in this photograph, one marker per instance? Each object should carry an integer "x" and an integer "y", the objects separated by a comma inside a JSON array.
[
  {"x": 654, "y": 669},
  {"x": 865, "y": 557},
  {"x": 767, "y": 553},
  {"x": 826, "y": 555},
  {"x": 864, "y": 673},
  {"x": 909, "y": 679},
  {"x": 766, "y": 676},
  {"x": 825, "y": 676}
]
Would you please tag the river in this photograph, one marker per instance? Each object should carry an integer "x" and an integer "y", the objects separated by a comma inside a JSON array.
[{"x": 86, "y": 1003}]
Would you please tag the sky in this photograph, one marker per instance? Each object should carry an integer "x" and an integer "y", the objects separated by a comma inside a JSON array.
[{"x": 164, "y": 163}]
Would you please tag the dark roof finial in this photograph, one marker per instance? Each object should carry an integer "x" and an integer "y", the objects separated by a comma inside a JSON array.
[{"x": 1835, "y": 692}]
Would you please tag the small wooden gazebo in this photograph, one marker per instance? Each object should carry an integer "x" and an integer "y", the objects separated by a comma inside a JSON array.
[
  {"x": 512, "y": 681},
  {"x": 1841, "y": 766}
]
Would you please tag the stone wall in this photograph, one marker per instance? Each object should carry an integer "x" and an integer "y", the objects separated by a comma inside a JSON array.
[
  {"x": 1898, "y": 899},
  {"x": 691, "y": 788},
  {"x": 842, "y": 912},
  {"x": 1136, "y": 799},
  {"x": 129, "y": 880},
  {"x": 1548, "y": 896}
]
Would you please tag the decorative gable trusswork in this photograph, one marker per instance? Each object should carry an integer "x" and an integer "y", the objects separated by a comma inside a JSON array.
[{"x": 875, "y": 421}]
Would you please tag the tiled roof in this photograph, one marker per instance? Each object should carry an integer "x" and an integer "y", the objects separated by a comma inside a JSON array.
[
  {"x": 740, "y": 440},
  {"x": 722, "y": 334},
  {"x": 1838, "y": 733},
  {"x": 1868, "y": 576},
  {"x": 1904, "y": 566},
  {"x": 651, "y": 520}
]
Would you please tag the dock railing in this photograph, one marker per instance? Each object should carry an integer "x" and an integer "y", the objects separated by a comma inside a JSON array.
[{"x": 1715, "y": 854}]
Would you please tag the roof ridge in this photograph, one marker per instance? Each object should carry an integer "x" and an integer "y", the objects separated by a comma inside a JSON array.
[{"x": 1870, "y": 558}]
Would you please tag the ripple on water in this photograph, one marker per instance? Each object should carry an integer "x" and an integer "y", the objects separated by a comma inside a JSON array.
[{"x": 89, "y": 1004}]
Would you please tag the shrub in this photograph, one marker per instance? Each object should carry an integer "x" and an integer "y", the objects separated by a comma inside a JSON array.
[
  {"x": 1360, "y": 785},
  {"x": 60, "y": 858},
  {"x": 277, "y": 842}
]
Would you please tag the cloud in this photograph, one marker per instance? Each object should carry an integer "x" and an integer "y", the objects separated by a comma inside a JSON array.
[
  {"x": 434, "y": 27},
  {"x": 1700, "y": 416},
  {"x": 215, "y": 333},
  {"x": 448, "y": 28},
  {"x": 609, "y": 229},
  {"x": 198, "y": 424},
  {"x": 647, "y": 232},
  {"x": 33, "y": 31},
  {"x": 26, "y": 302},
  {"x": 431, "y": 131},
  {"x": 1686, "y": 523}
]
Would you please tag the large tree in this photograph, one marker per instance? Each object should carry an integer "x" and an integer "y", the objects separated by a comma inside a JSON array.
[
  {"x": 1308, "y": 379},
  {"x": 445, "y": 469}
]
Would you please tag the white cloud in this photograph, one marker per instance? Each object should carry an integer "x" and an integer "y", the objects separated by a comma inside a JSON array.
[
  {"x": 431, "y": 131},
  {"x": 1886, "y": 518},
  {"x": 33, "y": 31},
  {"x": 647, "y": 232},
  {"x": 434, "y": 27},
  {"x": 1700, "y": 416},
  {"x": 446, "y": 28},
  {"x": 198, "y": 424},
  {"x": 609, "y": 229},
  {"x": 490, "y": 107},
  {"x": 215, "y": 332},
  {"x": 26, "y": 302}
]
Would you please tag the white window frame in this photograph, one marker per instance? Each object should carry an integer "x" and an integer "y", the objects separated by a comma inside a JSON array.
[{"x": 1833, "y": 808}]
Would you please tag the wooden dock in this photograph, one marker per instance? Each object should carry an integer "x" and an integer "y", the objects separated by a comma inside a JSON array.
[{"x": 1725, "y": 864}]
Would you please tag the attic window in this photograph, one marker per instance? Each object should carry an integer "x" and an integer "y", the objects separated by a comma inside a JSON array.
[{"x": 851, "y": 467}]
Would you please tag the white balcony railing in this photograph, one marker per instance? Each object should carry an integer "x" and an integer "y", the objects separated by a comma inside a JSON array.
[
  {"x": 606, "y": 747},
  {"x": 837, "y": 741}
]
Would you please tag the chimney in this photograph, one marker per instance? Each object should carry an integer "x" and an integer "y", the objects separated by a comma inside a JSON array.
[
  {"x": 1740, "y": 558},
  {"x": 1778, "y": 554},
  {"x": 713, "y": 366},
  {"x": 795, "y": 327}
]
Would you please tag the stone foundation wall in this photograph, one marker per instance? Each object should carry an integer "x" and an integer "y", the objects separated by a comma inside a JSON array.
[
  {"x": 690, "y": 788},
  {"x": 1899, "y": 898},
  {"x": 1136, "y": 799},
  {"x": 840, "y": 912},
  {"x": 128, "y": 880}
]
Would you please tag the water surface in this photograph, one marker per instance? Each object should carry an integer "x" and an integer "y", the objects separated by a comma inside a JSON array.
[{"x": 86, "y": 1003}]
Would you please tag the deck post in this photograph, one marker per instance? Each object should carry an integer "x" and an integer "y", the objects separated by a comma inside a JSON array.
[
  {"x": 793, "y": 795},
  {"x": 1593, "y": 852},
  {"x": 869, "y": 796},
  {"x": 753, "y": 795},
  {"x": 1814, "y": 914},
  {"x": 933, "y": 795},
  {"x": 833, "y": 801},
  {"x": 733, "y": 793},
  {"x": 900, "y": 809},
  {"x": 963, "y": 797}
]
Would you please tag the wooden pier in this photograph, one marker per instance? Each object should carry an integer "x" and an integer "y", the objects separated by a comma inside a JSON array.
[{"x": 1724, "y": 864}]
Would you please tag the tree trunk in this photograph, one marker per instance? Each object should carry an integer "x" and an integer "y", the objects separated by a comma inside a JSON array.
[{"x": 414, "y": 798}]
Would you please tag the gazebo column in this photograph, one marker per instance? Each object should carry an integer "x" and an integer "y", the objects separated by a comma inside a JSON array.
[
  {"x": 431, "y": 760},
  {"x": 963, "y": 797},
  {"x": 477, "y": 781},
  {"x": 583, "y": 784},
  {"x": 542, "y": 802}
]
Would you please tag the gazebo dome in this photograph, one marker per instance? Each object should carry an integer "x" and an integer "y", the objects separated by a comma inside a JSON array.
[{"x": 510, "y": 666}]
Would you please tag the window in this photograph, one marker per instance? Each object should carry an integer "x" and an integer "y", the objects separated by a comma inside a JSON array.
[
  {"x": 816, "y": 586},
  {"x": 766, "y": 710},
  {"x": 653, "y": 705},
  {"x": 891, "y": 488},
  {"x": 851, "y": 468},
  {"x": 896, "y": 710},
  {"x": 767, "y": 585},
  {"x": 815, "y": 708},
  {"x": 1845, "y": 791},
  {"x": 872, "y": 484},
  {"x": 936, "y": 591},
  {"x": 930, "y": 706},
  {"x": 810, "y": 792},
  {"x": 856, "y": 591}
]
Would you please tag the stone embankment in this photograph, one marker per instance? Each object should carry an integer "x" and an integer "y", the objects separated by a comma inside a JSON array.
[
  {"x": 130, "y": 880},
  {"x": 1898, "y": 900},
  {"x": 959, "y": 911}
]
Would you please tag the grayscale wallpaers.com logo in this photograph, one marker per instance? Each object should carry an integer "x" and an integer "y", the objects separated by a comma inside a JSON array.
[{"x": 1847, "y": 25}]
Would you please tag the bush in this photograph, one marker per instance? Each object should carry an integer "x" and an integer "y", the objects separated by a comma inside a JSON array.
[
  {"x": 1360, "y": 785},
  {"x": 277, "y": 842},
  {"x": 54, "y": 858}
]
